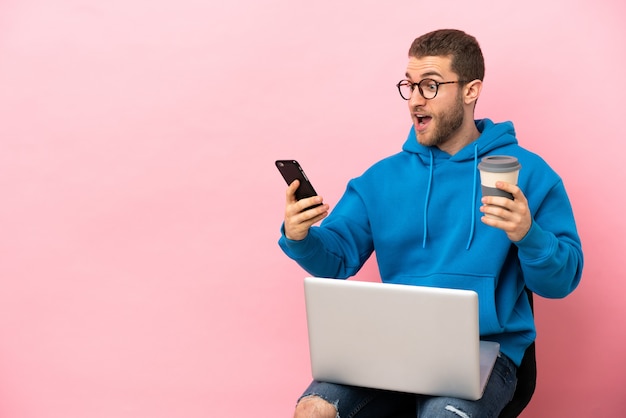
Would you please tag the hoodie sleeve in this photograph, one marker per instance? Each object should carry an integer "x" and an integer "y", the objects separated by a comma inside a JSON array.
[
  {"x": 340, "y": 247},
  {"x": 551, "y": 254}
]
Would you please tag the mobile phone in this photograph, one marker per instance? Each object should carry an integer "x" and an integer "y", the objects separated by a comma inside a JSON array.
[{"x": 291, "y": 170}]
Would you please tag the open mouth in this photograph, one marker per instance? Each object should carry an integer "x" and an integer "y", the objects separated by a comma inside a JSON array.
[{"x": 423, "y": 120}]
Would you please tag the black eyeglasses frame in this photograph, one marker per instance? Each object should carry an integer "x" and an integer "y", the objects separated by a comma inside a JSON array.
[{"x": 412, "y": 86}]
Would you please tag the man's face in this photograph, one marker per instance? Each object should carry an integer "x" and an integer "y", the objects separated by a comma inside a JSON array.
[{"x": 437, "y": 120}]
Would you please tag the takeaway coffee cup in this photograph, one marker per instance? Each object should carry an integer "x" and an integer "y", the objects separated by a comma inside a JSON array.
[{"x": 495, "y": 168}]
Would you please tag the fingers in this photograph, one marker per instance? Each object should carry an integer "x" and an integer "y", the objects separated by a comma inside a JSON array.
[
  {"x": 509, "y": 204},
  {"x": 300, "y": 215},
  {"x": 512, "y": 216},
  {"x": 298, "y": 221},
  {"x": 291, "y": 191},
  {"x": 513, "y": 189},
  {"x": 295, "y": 206}
]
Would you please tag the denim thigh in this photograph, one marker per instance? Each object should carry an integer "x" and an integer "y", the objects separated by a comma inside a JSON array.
[
  {"x": 358, "y": 402},
  {"x": 498, "y": 392}
]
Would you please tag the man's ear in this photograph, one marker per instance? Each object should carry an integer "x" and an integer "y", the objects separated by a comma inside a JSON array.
[{"x": 471, "y": 92}]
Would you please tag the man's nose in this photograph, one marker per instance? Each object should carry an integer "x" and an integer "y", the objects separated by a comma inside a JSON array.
[{"x": 416, "y": 98}]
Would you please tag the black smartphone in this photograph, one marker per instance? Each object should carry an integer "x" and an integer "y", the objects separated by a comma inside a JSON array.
[{"x": 291, "y": 170}]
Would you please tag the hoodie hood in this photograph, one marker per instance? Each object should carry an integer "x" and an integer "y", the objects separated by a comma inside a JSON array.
[{"x": 492, "y": 137}]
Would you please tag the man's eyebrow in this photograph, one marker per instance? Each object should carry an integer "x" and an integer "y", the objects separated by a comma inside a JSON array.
[{"x": 425, "y": 75}]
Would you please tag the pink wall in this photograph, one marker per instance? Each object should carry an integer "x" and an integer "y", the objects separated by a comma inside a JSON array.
[{"x": 139, "y": 271}]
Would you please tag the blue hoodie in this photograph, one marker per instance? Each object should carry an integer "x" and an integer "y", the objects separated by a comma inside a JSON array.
[{"x": 419, "y": 210}]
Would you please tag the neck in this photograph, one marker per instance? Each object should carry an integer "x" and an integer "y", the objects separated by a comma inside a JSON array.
[{"x": 466, "y": 134}]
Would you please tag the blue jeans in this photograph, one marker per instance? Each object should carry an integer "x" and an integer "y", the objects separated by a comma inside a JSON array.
[{"x": 357, "y": 402}]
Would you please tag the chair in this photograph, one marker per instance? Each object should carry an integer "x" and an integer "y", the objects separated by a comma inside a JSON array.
[
  {"x": 526, "y": 382},
  {"x": 526, "y": 379}
]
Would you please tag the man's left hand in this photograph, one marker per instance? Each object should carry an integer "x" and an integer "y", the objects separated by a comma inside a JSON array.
[{"x": 512, "y": 216}]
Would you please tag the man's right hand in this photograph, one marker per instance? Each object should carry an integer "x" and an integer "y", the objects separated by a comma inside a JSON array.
[{"x": 297, "y": 220}]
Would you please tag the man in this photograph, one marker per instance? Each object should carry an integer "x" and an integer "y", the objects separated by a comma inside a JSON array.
[{"x": 421, "y": 211}]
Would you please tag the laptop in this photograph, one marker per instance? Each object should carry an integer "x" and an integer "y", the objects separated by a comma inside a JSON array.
[{"x": 404, "y": 338}]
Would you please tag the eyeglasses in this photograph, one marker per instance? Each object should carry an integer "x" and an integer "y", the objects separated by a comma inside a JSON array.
[{"x": 428, "y": 88}]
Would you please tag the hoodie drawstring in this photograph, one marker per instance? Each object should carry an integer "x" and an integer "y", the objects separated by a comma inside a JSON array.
[
  {"x": 430, "y": 181},
  {"x": 473, "y": 202},
  {"x": 474, "y": 193}
]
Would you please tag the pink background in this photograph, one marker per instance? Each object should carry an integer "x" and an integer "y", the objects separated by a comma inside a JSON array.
[{"x": 140, "y": 209}]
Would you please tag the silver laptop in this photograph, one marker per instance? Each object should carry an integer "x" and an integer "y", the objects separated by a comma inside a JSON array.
[{"x": 397, "y": 337}]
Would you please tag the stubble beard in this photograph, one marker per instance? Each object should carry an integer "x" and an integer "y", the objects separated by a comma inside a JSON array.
[{"x": 448, "y": 123}]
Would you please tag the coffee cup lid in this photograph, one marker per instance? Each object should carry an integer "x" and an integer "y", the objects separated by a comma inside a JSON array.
[{"x": 499, "y": 164}]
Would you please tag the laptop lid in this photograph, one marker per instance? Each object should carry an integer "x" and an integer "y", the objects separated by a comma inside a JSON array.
[{"x": 404, "y": 338}]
